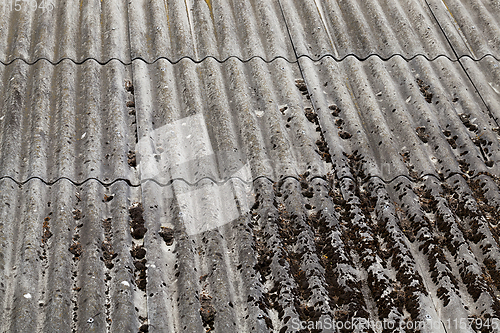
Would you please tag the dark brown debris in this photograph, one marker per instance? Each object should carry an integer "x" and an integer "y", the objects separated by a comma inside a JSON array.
[
  {"x": 345, "y": 135},
  {"x": 108, "y": 198},
  {"x": 207, "y": 311},
  {"x": 131, "y": 159},
  {"x": 107, "y": 245},
  {"x": 137, "y": 222},
  {"x": 311, "y": 115},
  {"x": 76, "y": 250},
  {"x": 138, "y": 252},
  {"x": 140, "y": 274},
  {"x": 167, "y": 234},
  {"x": 452, "y": 142},
  {"x": 141, "y": 282},
  {"x": 335, "y": 110},
  {"x": 421, "y": 134},
  {"x": 425, "y": 90},
  {"x": 77, "y": 214},
  {"x": 46, "y": 230},
  {"x": 467, "y": 123},
  {"x": 140, "y": 264},
  {"x": 324, "y": 151},
  {"x": 301, "y": 85},
  {"x": 129, "y": 86},
  {"x": 108, "y": 254}
]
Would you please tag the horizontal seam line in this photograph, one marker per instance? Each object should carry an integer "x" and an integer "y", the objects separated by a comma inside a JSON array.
[
  {"x": 170, "y": 182},
  {"x": 359, "y": 58}
]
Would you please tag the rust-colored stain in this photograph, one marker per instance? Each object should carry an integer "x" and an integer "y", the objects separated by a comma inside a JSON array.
[{"x": 209, "y": 4}]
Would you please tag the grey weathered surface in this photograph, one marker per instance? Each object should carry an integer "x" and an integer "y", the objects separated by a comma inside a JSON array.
[
  {"x": 473, "y": 27},
  {"x": 241, "y": 166},
  {"x": 402, "y": 117},
  {"x": 66, "y": 120},
  {"x": 222, "y": 120},
  {"x": 200, "y": 29},
  {"x": 75, "y": 30},
  {"x": 52, "y": 272},
  {"x": 363, "y": 28}
]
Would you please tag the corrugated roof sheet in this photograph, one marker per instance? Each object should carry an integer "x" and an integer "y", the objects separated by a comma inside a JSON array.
[
  {"x": 406, "y": 118},
  {"x": 66, "y": 121},
  {"x": 200, "y": 29},
  {"x": 363, "y": 28},
  {"x": 74, "y": 30},
  {"x": 245, "y": 166},
  {"x": 471, "y": 26},
  {"x": 65, "y": 257},
  {"x": 224, "y": 119}
]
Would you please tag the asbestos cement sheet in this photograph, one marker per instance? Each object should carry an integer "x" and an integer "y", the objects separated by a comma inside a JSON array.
[
  {"x": 472, "y": 27},
  {"x": 176, "y": 29},
  {"x": 55, "y": 30},
  {"x": 67, "y": 121},
  {"x": 364, "y": 28}
]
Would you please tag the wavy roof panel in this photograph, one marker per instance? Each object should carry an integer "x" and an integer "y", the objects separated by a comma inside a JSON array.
[
  {"x": 65, "y": 263},
  {"x": 249, "y": 166},
  {"x": 397, "y": 114},
  {"x": 66, "y": 120},
  {"x": 472, "y": 27},
  {"x": 75, "y": 30},
  {"x": 198, "y": 29},
  {"x": 363, "y": 28},
  {"x": 212, "y": 120}
]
